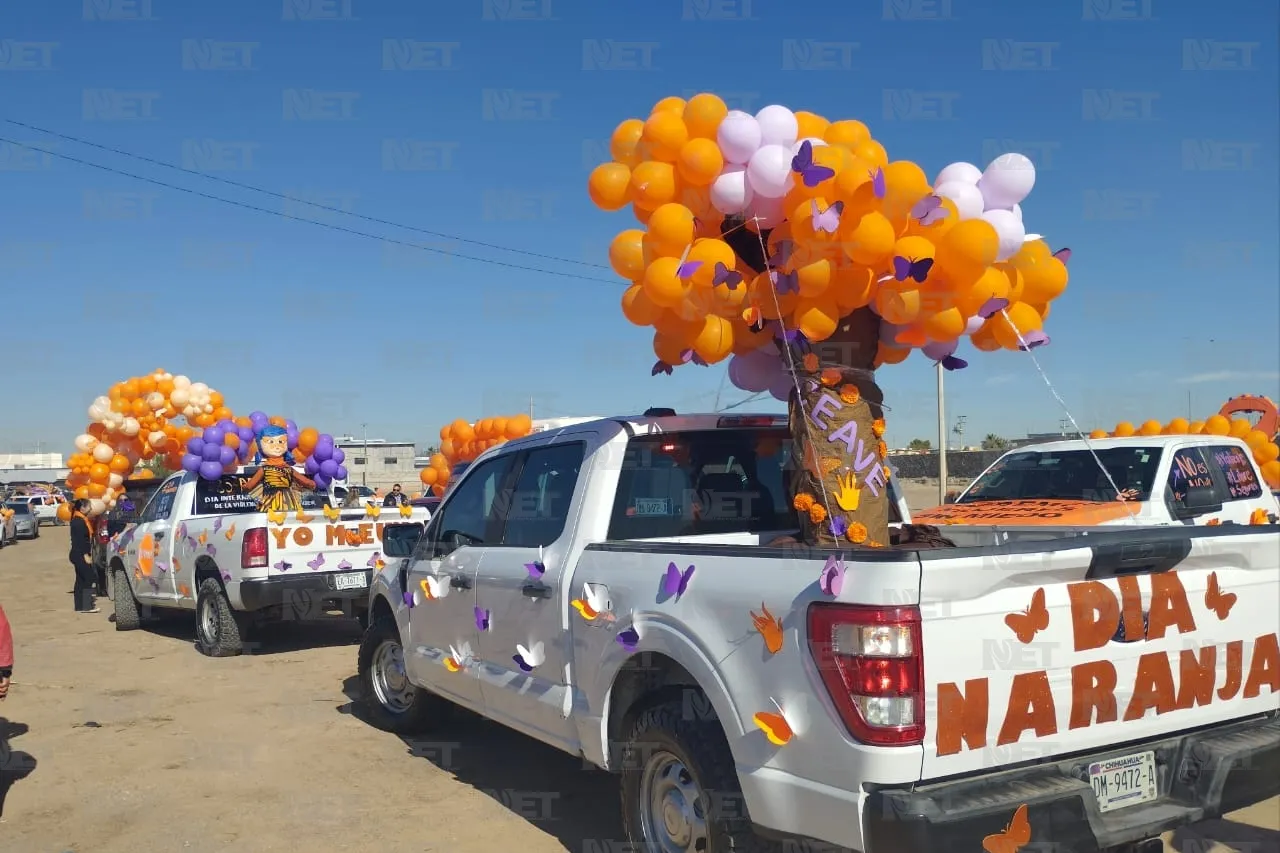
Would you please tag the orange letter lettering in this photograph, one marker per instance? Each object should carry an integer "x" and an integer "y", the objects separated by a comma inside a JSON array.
[
  {"x": 962, "y": 716},
  {"x": 1030, "y": 707},
  {"x": 1095, "y": 614},
  {"x": 1169, "y": 606},
  {"x": 1196, "y": 677},
  {"x": 1235, "y": 666},
  {"x": 1265, "y": 668},
  {"x": 281, "y": 534},
  {"x": 1093, "y": 686},
  {"x": 1153, "y": 687},
  {"x": 303, "y": 536},
  {"x": 335, "y": 534}
]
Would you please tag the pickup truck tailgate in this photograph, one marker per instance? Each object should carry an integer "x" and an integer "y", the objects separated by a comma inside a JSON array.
[{"x": 1038, "y": 648}]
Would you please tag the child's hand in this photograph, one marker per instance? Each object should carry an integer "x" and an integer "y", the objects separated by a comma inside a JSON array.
[{"x": 4, "y": 687}]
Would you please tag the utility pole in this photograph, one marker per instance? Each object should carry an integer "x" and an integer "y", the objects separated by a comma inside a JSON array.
[
  {"x": 531, "y": 407},
  {"x": 958, "y": 429},
  {"x": 942, "y": 440},
  {"x": 364, "y": 469},
  {"x": 1063, "y": 423}
]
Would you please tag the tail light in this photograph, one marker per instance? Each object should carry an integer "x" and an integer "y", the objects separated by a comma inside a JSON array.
[
  {"x": 253, "y": 549},
  {"x": 103, "y": 538},
  {"x": 872, "y": 664}
]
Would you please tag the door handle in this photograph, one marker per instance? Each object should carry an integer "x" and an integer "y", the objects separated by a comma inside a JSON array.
[
  {"x": 536, "y": 590},
  {"x": 459, "y": 582},
  {"x": 159, "y": 536}
]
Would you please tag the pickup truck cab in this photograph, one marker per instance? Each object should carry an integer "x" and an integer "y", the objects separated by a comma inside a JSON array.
[
  {"x": 1175, "y": 479},
  {"x": 203, "y": 545},
  {"x": 617, "y": 589}
]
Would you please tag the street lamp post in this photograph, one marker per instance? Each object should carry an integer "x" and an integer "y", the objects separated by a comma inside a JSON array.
[
  {"x": 942, "y": 438},
  {"x": 364, "y": 469}
]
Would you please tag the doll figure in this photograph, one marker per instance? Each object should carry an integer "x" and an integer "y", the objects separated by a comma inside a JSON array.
[{"x": 276, "y": 485}]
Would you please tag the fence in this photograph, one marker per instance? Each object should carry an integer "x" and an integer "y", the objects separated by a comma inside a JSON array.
[{"x": 961, "y": 464}]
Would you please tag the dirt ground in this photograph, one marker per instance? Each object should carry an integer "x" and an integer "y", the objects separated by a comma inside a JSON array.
[{"x": 135, "y": 742}]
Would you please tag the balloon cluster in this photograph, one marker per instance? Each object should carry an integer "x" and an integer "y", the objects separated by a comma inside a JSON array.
[
  {"x": 232, "y": 441},
  {"x": 839, "y": 227},
  {"x": 1266, "y": 453},
  {"x": 461, "y": 442}
]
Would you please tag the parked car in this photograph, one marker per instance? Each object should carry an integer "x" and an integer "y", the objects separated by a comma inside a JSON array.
[
  {"x": 338, "y": 494},
  {"x": 46, "y": 507},
  {"x": 8, "y": 527},
  {"x": 26, "y": 526},
  {"x": 868, "y": 699}
]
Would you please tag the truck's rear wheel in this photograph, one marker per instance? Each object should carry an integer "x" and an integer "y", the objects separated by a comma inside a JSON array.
[
  {"x": 126, "y": 606},
  {"x": 217, "y": 629},
  {"x": 679, "y": 788},
  {"x": 392, "y": 701}
]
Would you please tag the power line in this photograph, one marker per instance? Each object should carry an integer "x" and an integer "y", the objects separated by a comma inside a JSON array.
[
  {"x": 329, "y": 225},
  {"x": 285, "y": 197}
]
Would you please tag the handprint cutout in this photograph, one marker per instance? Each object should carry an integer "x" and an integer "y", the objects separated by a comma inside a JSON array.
[{"x": 848, "y": 493}]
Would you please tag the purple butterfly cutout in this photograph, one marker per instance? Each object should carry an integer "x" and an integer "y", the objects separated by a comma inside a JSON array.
[
  {"x": 408, "y": 599},
  {"x": 827, "y": 220},
  {"x": 226, "y": 575},
  {"x": 784, "y": 282},
  {"x": 688, "y": 268},
  {"x": 212, "y": 550},
  {"x": 660, "y": 367},
  {"x": 344, "y": 565},
  {"x": 689, "y": 355},
  {"x": 1031, "y": 340},
  {"x": 282, "y": 566},
  {"x": 803, "y": 165},
  {"x": 163, "y": 567},
  {"x": 782, "y": 253},
  {"x": 992, "y": 306},
  {"x": 675, "y": 582},
  {"x": 317, "y": 562},
  {"x": 905, "y": 268},
  {"x": 839, "y": 526},
  {"x": 729, "y": 278},
  {"x": 373, "y": 561},
  {"x": 155, "y": 584},
  {"x": 127, "y": 505},
  {"x": 535, "y": 569},
  {"x": 929, "y": 210},
  {"x": 628, "y": 639},
  {"x": 951, "y": 362},
  {"x": 217, "y": 524},
  {"x": 181, "y": 531},
  {"x": 831, "y": 581},
  {"x": 1063, "y": 255},
  {"x": 520, "y": 662},
  {"x": 482, "y": 619},
  {"x": 877, "y": 183}
]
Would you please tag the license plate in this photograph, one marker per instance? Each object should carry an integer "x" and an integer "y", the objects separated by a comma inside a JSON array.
[
  {"x": 1124, "y": 781},
  {"x": 351, "y": 580}
]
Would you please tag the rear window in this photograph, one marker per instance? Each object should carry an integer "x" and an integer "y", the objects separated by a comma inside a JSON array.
[
  {"x": 1237, "y": 470},
  {"x": 231, "y": 494},
  {"x": 1067, "y": 475},
  {"x": 19, "y": 507},
  {"x": 705, "y": 481}
]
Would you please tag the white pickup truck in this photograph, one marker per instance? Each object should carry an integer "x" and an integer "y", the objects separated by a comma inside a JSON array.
[
  {"x": 203, "y": 545},
  {"x": 611, "y": 589}
]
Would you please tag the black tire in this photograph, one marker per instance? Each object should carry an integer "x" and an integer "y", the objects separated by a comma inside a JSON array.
[
  {"x": 217, "y": 628},
  {"x": 128, "y": 617},
  {"x": 698, "y": 745},
  {"x": 424, "y": 709}
]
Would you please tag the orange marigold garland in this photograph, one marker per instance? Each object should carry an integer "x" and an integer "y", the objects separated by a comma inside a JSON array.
[
  {"x": 803, "y": 502},
  {"x": 882, "y": 449},
  {"x": 810, "y": 362},
  {"x": 877, "y": 427},
  {"x": 857, "y": 533},
  {"x": 850, "y": 394},
  {"x": 831, "y": 377},
  {"x": 817, "y": 513}
]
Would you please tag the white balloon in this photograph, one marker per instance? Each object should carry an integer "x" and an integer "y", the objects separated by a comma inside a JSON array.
[
  {"x": 1008, "y": 179},
  {"x": 778, "y": 126},
  {"x": 966, "y": 197},
  {"x": 179, "y": 398},
  {"x": 973, "y": 324},
  {"x": 85, "y": 443},
  {"x": 181, "y": 381},
  {"x": 115, "y": 481},
  {"x": 102, "y": 453},
  {"x": 103, "y": 403},
  {"x": 965, "y": 173},
  {"x": 812, "y": 140},
  {"x": 1010, "y": 231},
  {"x": 738, "y": 137},
  {"x": 769, "y": 171},
  {"x": 1017, "y": 211},
  {"x": 97, "y": 507},
  {"x": 155, "y": 400},
  {"x": 130, "y": 426},
  {"x": 199, "y": 388},
  {"x": 730, "y": 192},
  {"x": 768, "y": 212},
  {"x": 157, "y": 438}
]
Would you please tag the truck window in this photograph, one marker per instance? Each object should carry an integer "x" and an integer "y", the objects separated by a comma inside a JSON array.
[
  {"x": 161, "y": 503},
  {"x": 1190, "y": 479},
  {"x": 1237, "y": 472},
  {"x": 539, "y": 505},
  {"x": 469, "y": 516},
  {"x": 231, "y": 494},
  {"x": 1067, "y": 475},
  {"x": 704, "y": 481}
]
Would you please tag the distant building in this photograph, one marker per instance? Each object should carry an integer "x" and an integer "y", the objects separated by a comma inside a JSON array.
[
  {"x": 379, "y": 463},
  {"x": 18, "y": 461},
  {"x": 34, "y": 475}
]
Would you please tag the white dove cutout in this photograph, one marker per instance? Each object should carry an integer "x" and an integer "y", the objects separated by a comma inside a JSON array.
[
  {"x": 532, "y": 656},
  {"x": 594, "y": 602},
  {"x": 434, "y": 587},
  {"x": 459, "y": 656}
]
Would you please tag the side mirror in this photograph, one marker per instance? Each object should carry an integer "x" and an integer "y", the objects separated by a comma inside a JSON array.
[
  {"x": 1185, "y": 509},
  {"x": 398, "y": 540}
]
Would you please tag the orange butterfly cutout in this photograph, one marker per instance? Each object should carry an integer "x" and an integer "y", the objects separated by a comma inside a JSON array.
[
  {"x": 1015, "y": 836},
  {"x": 770, "y": 627},
  {"x": 203, "y": 538},
  {"x": 1218, "y": 601},
  {"x": 775, "y": 727},
  {"x": 230, "y": 532},
  {"x": 353, "y": 537},
  {"x": 1029, "y": 622},
  {"x": 184, "y": 590}
]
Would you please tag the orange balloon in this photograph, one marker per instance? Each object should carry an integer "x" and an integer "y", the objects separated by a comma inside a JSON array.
[
  {"x": 1240, "y": 427},
  {"x": 848, "y": 133},
  {"x": 891, "y": 355},
  {"x": 668, "y": 348},
  {"x": 672, "y": 104},
  {"x": 811, "y": 125},
  {"x": 905, "y": 184},
  {"x": 852, "y": 287},
  {"x": 119, "y": 464},
  {"x": 699, "y": 162},
  {"x": 1124, "y": 429},
  {"x": 653, "y": 183},
  {"x": 1150, "y": 428},
  {"x": 1019, "y": 316},
  {"x": 1271, "y": 473},
  {"x": 708, "y": 252},
  {"x": 967, "y": 250},
  {"x": 448, "y": 449},
  {"x": 870, "y": 240},
  {"x": 609, "y": 186},
  {"x": 817, "y": 318},
  {"x": 1217, "y": 425},
  {"x": 670, "y": 230},
  {"x": 665, "y": 134},
  {"x": 992, "y": 284},
  {"x": 519, "y": 425},
  {"x": 625, "y": 146},
  {"x": 626, "y": 254},
  {"x": 99, "y": 473},
  {"x": 662, "y": 284},
  {"x": 1256, "y": 438},
  {"x": 773, "y": 305},
  {"x": 277, "y": 421},
  {"x": 307, "y": 439},
  {"x": 945, "y": 325},
  {"x": 872, "y": 152},
  {"x": 1098, "y": 433},
  {"x": 1178, "y": 426},
  {"x": 637, "y": 307},
  {"x": 715, "y": 342},
  {"x": 703, "y": 114}
]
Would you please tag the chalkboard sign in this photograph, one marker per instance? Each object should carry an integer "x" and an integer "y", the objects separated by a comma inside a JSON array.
[
  {"x": 227, "y": 494},
  {"x": 1242, "y": 481}
]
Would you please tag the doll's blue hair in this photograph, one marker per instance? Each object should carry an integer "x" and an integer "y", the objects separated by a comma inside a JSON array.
[{"x": 267, "y": 431}]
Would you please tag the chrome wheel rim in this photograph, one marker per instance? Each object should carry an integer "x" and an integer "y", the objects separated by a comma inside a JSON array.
[
  {"x": 208, "y": 622},
  {"x": 672, "y": 807},
  {"x": 390, "y": 681}
]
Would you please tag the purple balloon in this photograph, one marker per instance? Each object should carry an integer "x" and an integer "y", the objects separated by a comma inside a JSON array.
[
  {"x": 293, "y": 439},
  {"x": 213, "y": 435},
  {"x": 227, "y": 425},
  {"x": 211, "y": 453},
  {"x": 339, "y": 455},
  {"x": 246, "y": 435},
  {"x": 311, "y": 466},
  {"x": 938, "y": 350},
  {"x": 228, "y": 456},
  {"x": 342, "y": 473},
  {"x": 322, "y": 482},
  {"x": 329, "y": 468},
  {"x": 210, "y": 470},
  {"x": 782, "y": 387},
  {"x": 324, "y": 447},
  {"x": 195, "y": 445},
  {"x": 191, "y": 462},
  {"x": 259, "y": 420},
  {"x": 291, "y": 426}
]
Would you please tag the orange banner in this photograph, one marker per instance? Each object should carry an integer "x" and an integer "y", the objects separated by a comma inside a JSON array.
[{"x": 1029, "y": 512}]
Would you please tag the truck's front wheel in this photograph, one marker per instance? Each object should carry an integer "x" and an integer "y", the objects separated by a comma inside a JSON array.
[
  {"x": 126, "y": 606},
  {"x": 217, "y": 630},
  {"x": 391, "y": 700}
]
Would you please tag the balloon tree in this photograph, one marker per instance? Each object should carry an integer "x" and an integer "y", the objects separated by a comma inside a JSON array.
[
  {"x": 461, "y": 442},
  {"x": 186, "y": 425},
  {"x": 792, "y": 247},
  {"x": 1266, "y": 453}
]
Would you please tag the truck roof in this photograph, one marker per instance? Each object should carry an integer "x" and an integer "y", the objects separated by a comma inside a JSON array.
[
  {"x": 671, "y": 423},
  {"x": 1127, "y": 441}
]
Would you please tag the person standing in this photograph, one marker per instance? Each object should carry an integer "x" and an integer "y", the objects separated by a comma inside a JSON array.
[
  {"x": 395, "y": 498},
  {"x": 6, "y": 655},
  {"x": 82, "y": 557}
]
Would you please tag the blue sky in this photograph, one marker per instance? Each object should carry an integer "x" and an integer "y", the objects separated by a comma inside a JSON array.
[{"x": 1154, "y": 126}]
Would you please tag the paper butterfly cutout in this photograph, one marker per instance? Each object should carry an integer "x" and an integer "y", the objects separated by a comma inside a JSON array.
[
  {"x": 993, "y": 306},
  {"x": 775, "y": 727},
  {"x": 689, "y": 355},
  {"x": 1015, "y": 836},
  {"x": 782, "y": 253},
  {"x": 770, "y": 627},
  {"x": 660, "y": 367},
  {"x": 317, "y": 562},
  {"x": 827, "y": 220},
  {"x": 729, "y": 278},
  {"x": 303, "y": 517},
  {"x": 407, "y": 597},
  {"x": 687, "y": 269},
  {"x": 1034, "y": 339},
  {"x": 803, "y": 165},
  {"x": 839, "y": 526},
  {"x": 376, "y": 562},
  {"x": 226, "y": 575},
  {"x": 457, "y": 658},
  {"x": 1063, "y": 255},
  {"x": 180, "y": 532},
  {"x": 592, "y": 603},
  {"x": 784, "y": 282},
  {"x": 831, "y": 581},
  {"x": 628, "y": 639},
  {"x": 231, "y": 533},
  {"x": 1218, "y": 601},
  {"x": 929, "y": 210},
  {"x": 1028, "y": 623},
  {"x": 217, "y": 524},
  {"x": 406, "y": 510},
  {"x": 482, "y": 619},
  {"x": 529, "y": 658},
  {"x": 904, "y": 268},
  {"x": 275, "y": 517},
  {"x": 434, "y": 588},
  {"x": 535, "y": 569},
  {"x": 203, "y": 537},
  {"x": 343, "y": 565},
  {"x": 162, "y": 567},
  {"x": 212, "y": 550},
  {"x": 282, "y": 566},
  {"x": 951, "y": 362},
  {"x": 877, "y": 183},
  {"x": 372, "y": 511},
  {"x": 332, "y": 512},
  {"x": 675, "y": 582}
]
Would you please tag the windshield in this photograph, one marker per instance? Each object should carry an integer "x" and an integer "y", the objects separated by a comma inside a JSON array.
[
  {"x": 130, "y": 504},
  {"x": 1067, "y": 475},
  {"x": 19, "y": 507}
]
